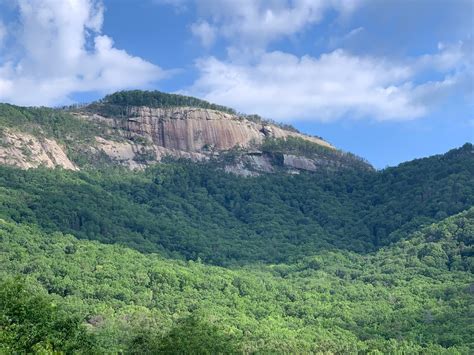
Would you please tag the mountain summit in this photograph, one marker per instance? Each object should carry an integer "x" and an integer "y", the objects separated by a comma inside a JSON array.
[{"x": 138, "y": 128}]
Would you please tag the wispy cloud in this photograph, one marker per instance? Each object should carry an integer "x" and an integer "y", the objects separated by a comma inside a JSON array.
[
  {"x": 255, "y": 23},
  {"x": 338, "y": 41},
  {"x": 205, "y": 32},
  {"x": 3, "y": 33}
]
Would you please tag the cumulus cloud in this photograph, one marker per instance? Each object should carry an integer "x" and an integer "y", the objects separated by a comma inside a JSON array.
[
  {"x": 333, "y": 85},
  {"x": 62, "y": 52},
  {"x": 286, "y": 87},
  {"x": 457, "y": 62},
  {"x": 255, "y": 23},
  {"x": 450, "y": 55}
]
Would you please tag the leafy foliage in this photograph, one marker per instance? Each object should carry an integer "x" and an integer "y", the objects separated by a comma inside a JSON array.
[
  {"x": 117, "y": 104},
  {"x": 332, "y": 262},
  {"x": 189, "y": 210},
  {"x": 30, "y": 321},
  {"x": 51, "y": 123},
  {"x": 302, "y": 147},
  {"x": 410, "y": 297}
]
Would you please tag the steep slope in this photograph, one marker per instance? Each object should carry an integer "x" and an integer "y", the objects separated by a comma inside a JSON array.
[
  {"x": 122, "y": 129},
  {"x": 28, "y": 151},
  {"x": 311, "y": 252},
  {"x": 412, "y": 297},
  {"x": 195, "y": 210},
  {"x": 149, "y": 134}
]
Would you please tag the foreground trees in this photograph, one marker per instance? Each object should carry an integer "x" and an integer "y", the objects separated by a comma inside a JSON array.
[{"x": 60, "y": 293}]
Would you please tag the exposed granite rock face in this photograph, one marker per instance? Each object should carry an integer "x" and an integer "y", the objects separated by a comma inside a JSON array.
[
  {"x": 300, "y": 163},
  {"x": 196, "y": 130},
  {"x": 251, "y": 164},
  {"x": 27, "y": 151},
  {"x": 138, "y": 156},
  {"x": 147, "y": 135}
]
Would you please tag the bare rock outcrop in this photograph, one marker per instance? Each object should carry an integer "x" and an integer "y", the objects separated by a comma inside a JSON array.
[
  {"x": 138, "y": 156},
  {"x": 298, "y": 162},
  {"x": 147, "y": 134},
  {"x": 27, "y": 151},
  {"x": 196, "y": 130}
]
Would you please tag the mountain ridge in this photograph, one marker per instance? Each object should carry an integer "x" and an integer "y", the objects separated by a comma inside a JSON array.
[{"x": 120, "y": 130}]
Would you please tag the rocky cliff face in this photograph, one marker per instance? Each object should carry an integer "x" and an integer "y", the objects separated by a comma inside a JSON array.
[
  {"x": 149, "y": 134},
  {"x": 28, "y": 151},
  {"x": 196, "y": 130},
  {"x": 146, "y": 135}
]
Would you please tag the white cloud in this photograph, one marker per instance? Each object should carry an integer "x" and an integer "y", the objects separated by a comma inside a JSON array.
[
  {"x": 63, "y": 52},
  {"x": 333, "y": 85},
  {"x": 456, "y": 62},
  {"x": 283, "y": 86},
  {"x": 255, "y": 23},
  {"x": 205, "y": 32}
]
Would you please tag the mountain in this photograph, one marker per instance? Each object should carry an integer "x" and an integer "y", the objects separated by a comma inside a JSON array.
[
  {"x": 193, "y": 210},
  {"x": 137, "y": 128},
  {"x": 155, "y": 223}
]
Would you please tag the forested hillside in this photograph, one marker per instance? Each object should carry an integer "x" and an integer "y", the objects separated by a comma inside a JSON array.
[
  {"x": 136, "y": 219},
  {"x": 185, "y": 257},
  {"x": 117, "y": 103},
  {"x": 59, "y": 293},
  {"x": 195, "y": 210}
]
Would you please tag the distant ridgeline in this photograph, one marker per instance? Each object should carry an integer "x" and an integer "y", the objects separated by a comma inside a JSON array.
[{"x": 117, "y": 104}]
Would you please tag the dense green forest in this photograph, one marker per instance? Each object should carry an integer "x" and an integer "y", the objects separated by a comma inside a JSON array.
[
  {"x": 117, "y": 104},
  {"x": 183, "y": 257},
  {"x": 60, "y": 293},
  {"x": 48, "y": 122},
  {"x": 195, "y": 210}
]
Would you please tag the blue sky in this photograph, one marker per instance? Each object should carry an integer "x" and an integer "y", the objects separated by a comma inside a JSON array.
[{"x": 387, "y": 80}]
